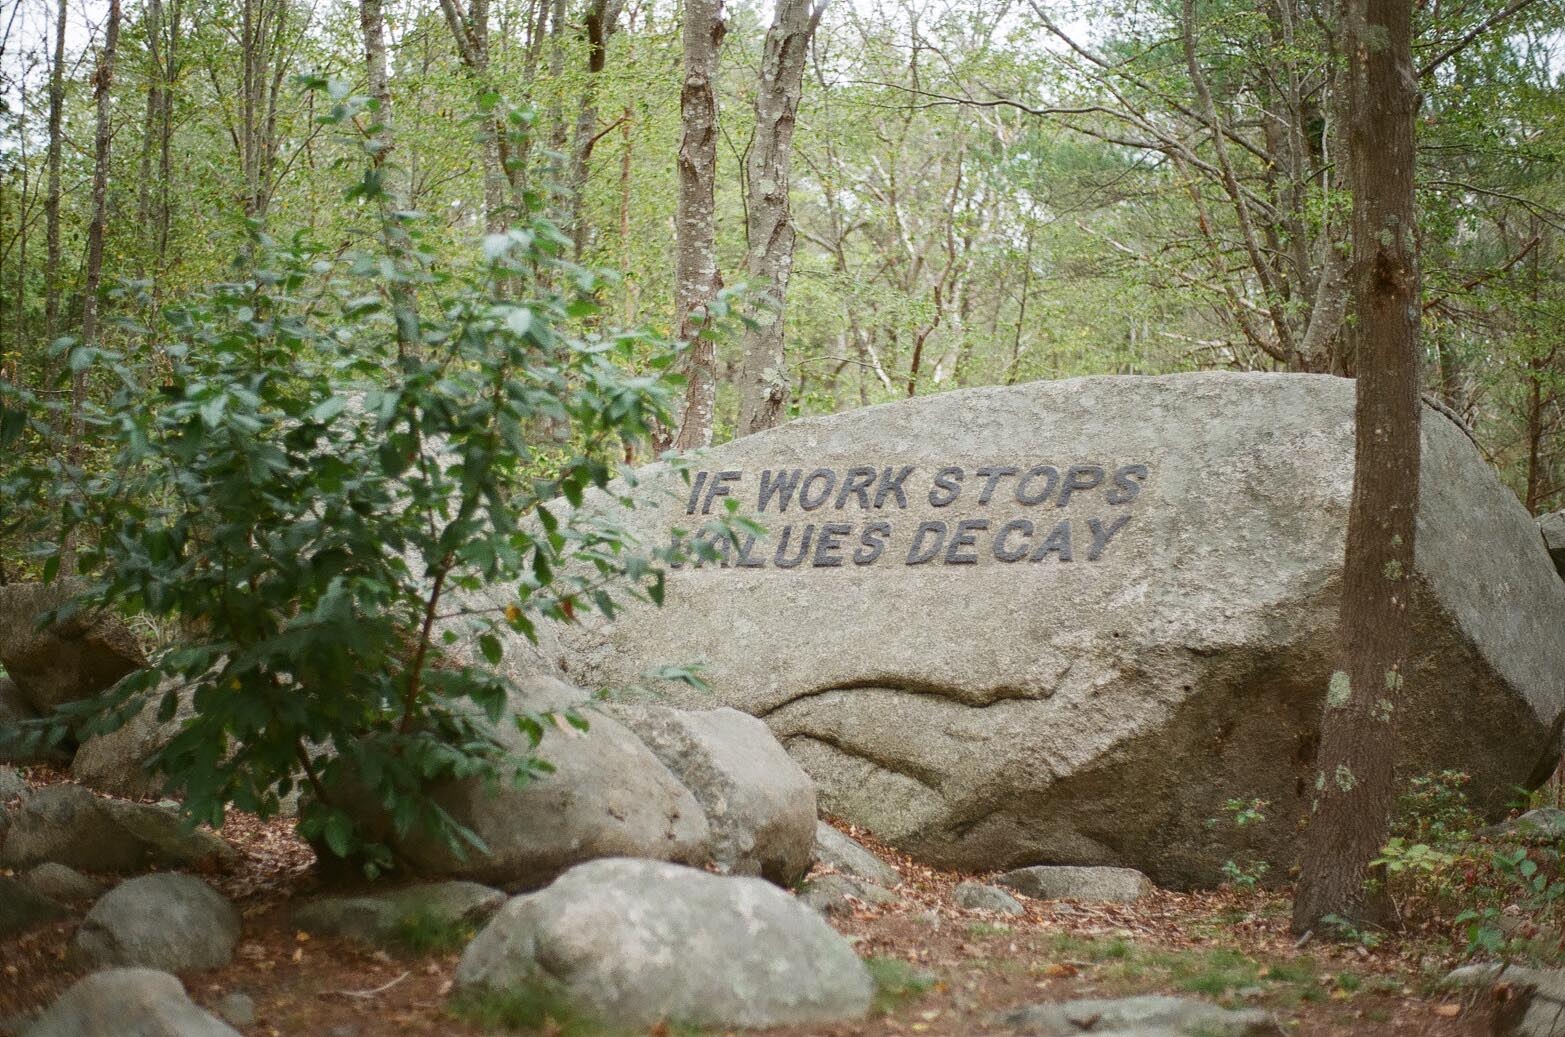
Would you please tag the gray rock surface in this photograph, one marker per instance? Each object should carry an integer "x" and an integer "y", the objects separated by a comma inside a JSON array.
[
  {"x": 75, "y": 658},
  {"x": 1151, "y": 1016},
  {"x": 12, "y": 784},
  {"x": 68, "y": 825},
  {"x": 634, "y": 943},
  {"x": 22, "y": 908},
  {"x": 117, "y": 762},
  {"x": 1065, "y": 882},
  {"x": 840, "y": 895},
  {"x": 167, "y": 921},
  {"x": 1533, "y": 1004},
  {"x": 1552, "y": 526},
  {"x": 380, "y": 918},
  {"x": 57, "y": 882},
  {"x": 237, "y": 1008},
  {"x": 977, "y": 896},
  {"x": 759, "y": 804},
  {"x": 1543, "y": 825},
  {"x": 979, "y": 712},
  {"x": 127, "y": 1003},
  {"x": 847, "y": 857},
  {"x": 609, "y": 796}
]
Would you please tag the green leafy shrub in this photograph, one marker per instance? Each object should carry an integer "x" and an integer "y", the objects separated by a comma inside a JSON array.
[{"x": 337, "y": 449}]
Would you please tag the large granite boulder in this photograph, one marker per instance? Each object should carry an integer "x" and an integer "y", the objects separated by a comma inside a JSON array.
[
  {"x": 1063, "y": 622},
  {"x": 632, "y": 944},
  {"x": 74, "y": 658},
  {"x": 118, "y": 762}
]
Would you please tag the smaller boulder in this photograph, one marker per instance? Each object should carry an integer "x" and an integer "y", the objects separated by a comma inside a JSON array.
[
  {"x": 759, "y": 803},
  {"x": 1057, "y": 882},
  {"x": 845, "y": 856},
  {"x": 1152, "y": 1015},
  {"x": 634, "y": 943},
  {"x": 68, "y": 825},
  {"x": 12, "y": 784},
  {"x": 119, "y": 1002},
  {"x": 976, "y": 896},
  {"x": 168, "y": 921},
  {"x": 1552, "y": 526},
  {"x": 74, "y": 658},
  {"x": 384, "y": 918},
  {"x": 1533, "y": 1001},
  {"x": 1545, "y": 825},
  {"x": 608, "y": 796},
  {"x": 839, "y": 895},
  {"x": 116, "y": 762},
  {"x": 58, "y": 882},
  {"x": 22, "y": 908}
]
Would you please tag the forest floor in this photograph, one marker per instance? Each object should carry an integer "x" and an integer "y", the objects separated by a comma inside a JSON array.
[{"x": 943, "y": 972}]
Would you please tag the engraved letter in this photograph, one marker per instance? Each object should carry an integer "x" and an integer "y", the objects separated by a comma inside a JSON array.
[
  {"x": 1012, "y": 554},
  {"x": 918, "y": 554},
  {"x": 994, "y": 475},
  {"x": 1101, "y": 536},
  {"x": 1079, "y": 477},
  {"x": 964, "y": 537},
  {"x": 1125, "y": 489},
  {"x": 824, "y": 477},
  {"x": 948, "y": 486},
  {"x": 857, "y": 483},
  {"x": 783, "y": 487},
  {"x": 874, "y": 541},
  {"x": 889, "y": 485},
  {"x": 1024, "y": 496},
  {"x": 829, "y": 543},
  {"x": 1058, "y": 542}
]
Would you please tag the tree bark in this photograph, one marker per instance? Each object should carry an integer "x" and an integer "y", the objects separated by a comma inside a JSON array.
[
  {"x": 51, "y": 275},
  {"x": 763, "y": 381},
  {"x": 697, "y": 279},
  {"x": 404, "y": 304},
  {"x": 602, "y": 18},
  {"x": 1354, "y": 780}
]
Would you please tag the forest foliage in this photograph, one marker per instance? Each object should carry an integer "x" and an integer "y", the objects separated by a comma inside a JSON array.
[{"x": 983, "y": 191}]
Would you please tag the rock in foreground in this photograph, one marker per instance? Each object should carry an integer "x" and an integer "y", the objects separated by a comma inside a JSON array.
[
  {"x": 1152, "y": 1016},
  {"x": 125, "y": 1002},
  {"x": 635, "y": 943},
  {"x": 171, "y": 922},
  {"x": 1064, "y": 622},
  {"x": 383, "y": 919}
]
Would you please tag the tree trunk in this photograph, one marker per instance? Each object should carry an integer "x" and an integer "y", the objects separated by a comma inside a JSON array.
[
  {"x": 1354, "y": 778},
  {"x": 51, "y": 275},
  {"x": 695, "y": 261},
  {"x": 102, "y": 81},
  {"x": 763, "y": 381},
  {"x": 601, "y": 20},
  {"x": 398, "y": 244}
]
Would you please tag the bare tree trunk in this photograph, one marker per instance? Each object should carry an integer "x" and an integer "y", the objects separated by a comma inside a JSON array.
[
  {"x": 102, "y": 80},
  {"x": 601, "y": 22},
  {"x": 1355, "y": 778},
  {"x": 404, "y": 304},
  {"x": 51, "y": 322},
  {"x": 763, "y": 381},
  {"x": 696, "y": 274}
]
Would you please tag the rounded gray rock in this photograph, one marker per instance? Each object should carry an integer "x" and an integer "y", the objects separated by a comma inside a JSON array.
[
  {"x": 976, "y": 896},
  {"x": 171, "y": 922},
  {"x": 845, "y": 856},
  {"x": 58, "y": 882},
  {"x": 608, "y": 796},
  {"x": 633, "y": 943},
  {"x": 759, "y": 803},
  {"x": 1112, "y": 885},
  {"x": 1149, "y": 1015},
  {"x": 127, "y": 1003},
  {"x": 1067, "y": 621},
  {"x": 381, "y": 917}
]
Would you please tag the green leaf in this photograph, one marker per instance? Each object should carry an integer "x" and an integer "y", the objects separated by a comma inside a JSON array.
[{"x": 490, "y": 646}]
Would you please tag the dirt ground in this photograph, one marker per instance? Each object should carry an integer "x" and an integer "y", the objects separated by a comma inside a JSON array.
[{"x": 943, "y": 971}]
